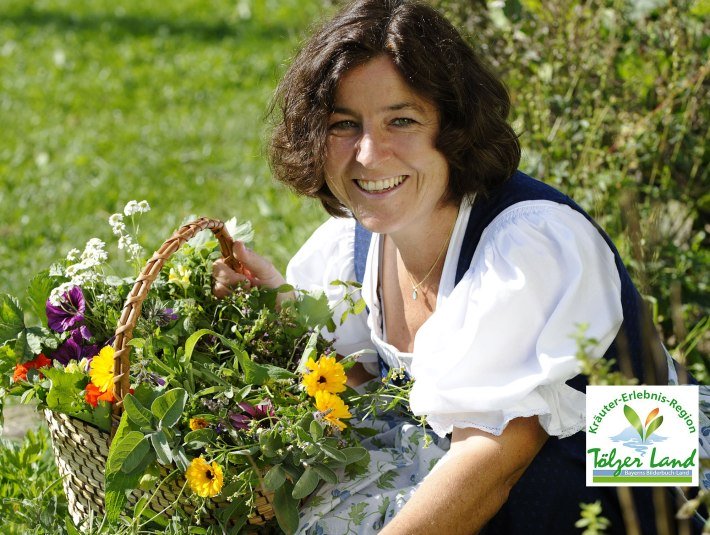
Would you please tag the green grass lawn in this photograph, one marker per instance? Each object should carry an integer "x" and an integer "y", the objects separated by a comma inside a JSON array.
[{"x": 106, "y": 101}]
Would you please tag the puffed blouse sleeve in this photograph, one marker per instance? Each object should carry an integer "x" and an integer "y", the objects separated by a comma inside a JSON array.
[
  {"x": 328, "y": 255},
  {"x": 501, "y": 346}
]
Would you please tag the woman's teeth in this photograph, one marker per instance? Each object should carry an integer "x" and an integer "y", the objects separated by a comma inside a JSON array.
[{"x": 377, "y": 186}]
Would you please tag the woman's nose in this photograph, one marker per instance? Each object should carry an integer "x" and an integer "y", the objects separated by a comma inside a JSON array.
[{"x": 372, "y": 149}]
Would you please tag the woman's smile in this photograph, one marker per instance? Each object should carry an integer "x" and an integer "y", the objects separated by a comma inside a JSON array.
[{"x": 382, "y": 185}]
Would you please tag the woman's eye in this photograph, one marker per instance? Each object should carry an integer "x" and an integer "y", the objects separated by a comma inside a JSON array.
[
  {"x": 403, "y": 121},
  {"x": 343, "y": 125}
]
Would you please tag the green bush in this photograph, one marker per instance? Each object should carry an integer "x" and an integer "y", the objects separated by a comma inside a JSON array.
[
  {"x": 31, "y": 495},
  {"x": 610, "y": 101}
]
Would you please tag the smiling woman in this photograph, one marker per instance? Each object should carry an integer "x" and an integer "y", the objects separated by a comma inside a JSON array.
[
  {"x": 381, "y": 159},
  {"x": 475, "y": 277}
]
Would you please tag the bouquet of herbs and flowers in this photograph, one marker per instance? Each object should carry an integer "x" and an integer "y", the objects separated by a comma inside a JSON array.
[{"x": 229, "y": 410}]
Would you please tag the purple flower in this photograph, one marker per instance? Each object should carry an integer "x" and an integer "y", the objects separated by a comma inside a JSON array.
[
  {"x": 84, "y": 332},
  {"x": 156, "y": 379},
  {"x": 74, "y": 348},
  {"x": 220, "y": 429},
  {"x": 68, "y": 313},
  {"x": 261, "y": 413},
  {"x": 165, "y": 317}
]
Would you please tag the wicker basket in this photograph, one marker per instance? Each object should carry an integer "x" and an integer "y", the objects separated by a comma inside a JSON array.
[{"x": 81, "y": 449}]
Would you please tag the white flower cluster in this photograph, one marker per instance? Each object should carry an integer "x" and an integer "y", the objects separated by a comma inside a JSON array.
[
  {"x": 82, "y": 266},
  {"x": 125, "y": 240},
  {"x": 83, "y": 270},
  {"x": 135, "y": 207}
]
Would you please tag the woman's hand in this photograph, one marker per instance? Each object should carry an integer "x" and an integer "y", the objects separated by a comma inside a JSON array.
[{"x": 255, "y": 271}]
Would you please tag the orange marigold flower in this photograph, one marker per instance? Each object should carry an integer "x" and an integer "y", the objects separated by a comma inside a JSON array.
[
  {"x": 93, "y": 395},
  {"x": 20, "y": 373},
  {"x": 205, "y": 479},
  {"x": 40, "y": 361},
  {"x": 198, "y": 423}
]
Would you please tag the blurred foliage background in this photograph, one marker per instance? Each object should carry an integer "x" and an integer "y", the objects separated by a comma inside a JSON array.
[
  {"x": 106, "y": 101},
  {"x": 610, "y": 98}
]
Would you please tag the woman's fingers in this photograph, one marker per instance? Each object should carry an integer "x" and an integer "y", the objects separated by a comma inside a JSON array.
[
  {"x": 225, "y": 278},
  {"x": 255, "y": 271},
  {"x": 256, "y": 268}
]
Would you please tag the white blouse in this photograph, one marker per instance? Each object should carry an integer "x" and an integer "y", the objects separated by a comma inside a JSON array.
[{"x": 499, "y": 344}]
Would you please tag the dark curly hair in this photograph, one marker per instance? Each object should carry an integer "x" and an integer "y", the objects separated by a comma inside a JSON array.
[{"x": 481, "y": 148}]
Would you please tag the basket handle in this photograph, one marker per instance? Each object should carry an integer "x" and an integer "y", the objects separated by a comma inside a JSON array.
[{"x": 134, "y": 302}]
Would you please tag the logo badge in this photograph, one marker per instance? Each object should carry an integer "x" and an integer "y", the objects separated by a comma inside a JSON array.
[{"x": 642, "y": 436}]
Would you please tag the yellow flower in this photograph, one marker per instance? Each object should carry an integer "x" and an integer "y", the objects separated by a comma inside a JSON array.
[
  {"x": 333, "y": 408},
  {"x": 326, "y": 375},
  {"x": 198, "y": 423},
  {"x": 205, "y": 479},
  {"x": 180, "y": 275},
  {"x": 101, "y": 369}
]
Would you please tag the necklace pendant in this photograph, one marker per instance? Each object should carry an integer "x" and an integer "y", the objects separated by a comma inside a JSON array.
[{"x": 414, "y": 294}]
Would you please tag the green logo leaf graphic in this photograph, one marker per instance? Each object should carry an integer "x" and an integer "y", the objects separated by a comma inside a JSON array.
[
  {"x": 655, "y": 424},
  {"x": 634, "y": 420}
]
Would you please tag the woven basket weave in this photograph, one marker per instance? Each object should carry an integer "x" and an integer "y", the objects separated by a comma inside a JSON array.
[{"x": 81, "y": 449}]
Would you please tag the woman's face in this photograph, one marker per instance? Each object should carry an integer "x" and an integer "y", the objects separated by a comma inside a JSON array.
[{"x": 381, "y": 159}]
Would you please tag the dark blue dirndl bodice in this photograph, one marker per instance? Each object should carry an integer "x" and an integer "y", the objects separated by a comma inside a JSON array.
[{"x": 547, "y": 497}]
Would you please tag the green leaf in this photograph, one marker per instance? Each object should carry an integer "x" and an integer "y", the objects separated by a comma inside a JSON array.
[
  {"x": 181, "y": 459},
  {"x": 313, "y": 309},
  {"x": 194, "y": 338},
  {"x": 22, "y": 348},
  {"x": 137, "y": 454},
  {"x": 305, "y": 421},
  {"x": 310, "y": 351},
  {"x": 359, "y": 306},
  {"x": 116, "y": 455},
  {"x": 29, "y": 342},
  {"x": 137, "y": 413},
  {"x": 354, "y": 454},
  {"x": 316, "y": 430},
  {"x": 254, "y": 373},
  {"x": 275, "y": 477},
  {"x": 38, "y": 291},
  {"x": 11, "y": 318},
  {"x": 277, "y": 373},
  {"x": 270, "y": 442},
  {"x": 145, "y": 394},
  {"x": 101, "y": 416},
  {"x": 117, "y": 485},
  {"x": 199, "y": 438},
  {"x": 286, "y": 508},
  {"x": 655, "y": 424},
  {"x": 634, "y": 420},
  {"x": 334, "y": 453},
  {"x": 122, "y": 447},
  {"x": 168, "y": 407},
  {"x": 161, "y": 447},
  {"x": 211, "y": 391},
  {"x": 306, "y": 484},
  {"x": 252, "y": 450},
  {"x": 326, "y": 473},
  {"x": 65, "y": 392}
]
